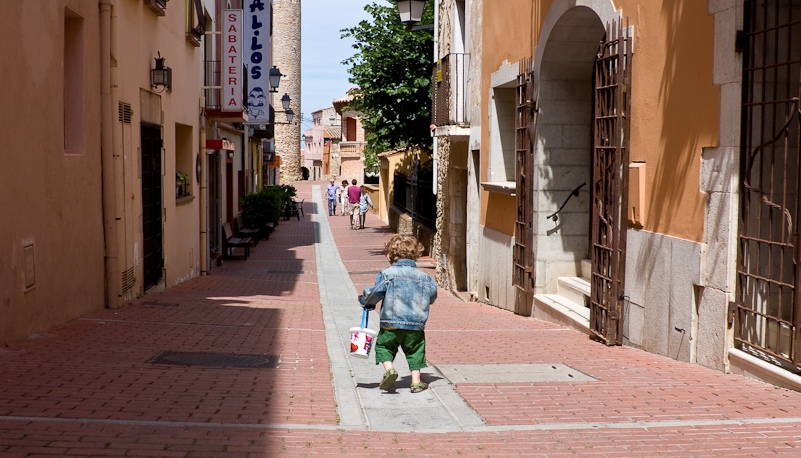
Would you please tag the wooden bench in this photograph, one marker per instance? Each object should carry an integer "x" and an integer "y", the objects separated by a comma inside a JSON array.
[
  {"x": 243, "y": 231},
  {"x": 232, "y": 242}
]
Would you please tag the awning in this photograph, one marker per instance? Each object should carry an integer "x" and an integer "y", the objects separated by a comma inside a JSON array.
[{"x": 219, "y": 144}]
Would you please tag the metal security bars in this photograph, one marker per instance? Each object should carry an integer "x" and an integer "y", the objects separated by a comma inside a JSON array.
[
  {"x": 413, "y": 194},
  {"x": 522, "y": 254},
  {"x": 768, "y": 308},
  {"x": 449, "y": 86},
  {"x": 611, "y": 110}
]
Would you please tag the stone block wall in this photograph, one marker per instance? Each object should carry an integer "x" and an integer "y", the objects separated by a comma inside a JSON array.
[{"x": 286, "y": 56}]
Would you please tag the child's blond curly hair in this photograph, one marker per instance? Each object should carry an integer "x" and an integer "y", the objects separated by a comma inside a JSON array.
[{"x": 403, "y": 247}]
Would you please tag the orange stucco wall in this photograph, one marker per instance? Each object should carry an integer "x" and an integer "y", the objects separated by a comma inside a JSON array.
[{"x": 675, "y": 106}]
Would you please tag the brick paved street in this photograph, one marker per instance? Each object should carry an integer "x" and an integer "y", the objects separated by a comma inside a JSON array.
[{"x": 87, "y": 389}]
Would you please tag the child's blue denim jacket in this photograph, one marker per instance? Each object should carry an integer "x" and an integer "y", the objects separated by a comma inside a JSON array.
[{"x": 407, "y": 293}]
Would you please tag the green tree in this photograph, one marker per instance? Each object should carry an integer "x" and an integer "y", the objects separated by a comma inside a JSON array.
[{"x": 392, "y": 73}]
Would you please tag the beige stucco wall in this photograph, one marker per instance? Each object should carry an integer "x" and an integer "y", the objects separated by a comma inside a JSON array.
[
  {"x": 48, "y": 198},
  {"x": 140, "y": 36}
]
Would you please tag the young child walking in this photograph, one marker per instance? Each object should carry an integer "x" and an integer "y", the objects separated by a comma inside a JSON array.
[{"x": 407, "y": 292}]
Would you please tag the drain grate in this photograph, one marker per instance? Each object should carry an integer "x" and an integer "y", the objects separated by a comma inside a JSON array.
[
  {"x": 363, "y": 272},
  {"x": 161, "y": 304},
  {"x": 296, "y": 272},
  {"x": 203, "y": 359}
]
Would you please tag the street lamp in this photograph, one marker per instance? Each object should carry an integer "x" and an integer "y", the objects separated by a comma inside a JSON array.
[
  {"x": 160, "y": 76},
  {"x": 287, "y": 111},
  {"x": 411, "y": 11},
  {"x": 275, "y": 78}
]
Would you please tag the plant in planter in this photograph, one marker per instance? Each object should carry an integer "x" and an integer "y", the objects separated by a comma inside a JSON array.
[
  {"x": 181, "y": 184},
  {"x": 262, "y": 210}
]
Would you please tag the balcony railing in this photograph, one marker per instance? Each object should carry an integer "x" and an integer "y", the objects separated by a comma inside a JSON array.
[
  {"x": 449, "y": 90},
  {"x": 351, "y": 148},
  {"x": 212, "y": 85}
]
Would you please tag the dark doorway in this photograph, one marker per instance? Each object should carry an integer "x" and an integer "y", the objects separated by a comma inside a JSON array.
[{"x": 152, "y": 242}]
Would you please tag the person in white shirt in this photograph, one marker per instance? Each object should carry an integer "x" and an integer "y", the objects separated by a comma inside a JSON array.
[{"x": 364, "y": 202}]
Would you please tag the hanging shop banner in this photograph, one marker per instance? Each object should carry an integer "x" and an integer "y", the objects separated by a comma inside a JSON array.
[
  {"x": 232, "y": 60},
  {"x": 258, "y": 58}
]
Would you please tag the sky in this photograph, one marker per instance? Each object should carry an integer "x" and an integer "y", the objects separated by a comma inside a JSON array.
[{"x": 323, "y": 77}]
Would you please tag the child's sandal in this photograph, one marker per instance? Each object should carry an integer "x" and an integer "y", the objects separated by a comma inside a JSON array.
[
  {"x": 418, "y": 387},
  {"x": 389, "y": 379}
]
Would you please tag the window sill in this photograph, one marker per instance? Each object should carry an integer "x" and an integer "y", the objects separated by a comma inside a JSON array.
[
  {"x": 508, "y": 188},
  {"x": 184, "y": 200}
]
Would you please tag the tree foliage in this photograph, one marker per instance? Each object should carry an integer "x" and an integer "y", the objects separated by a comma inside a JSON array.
[{"x": 392, "y": 73}]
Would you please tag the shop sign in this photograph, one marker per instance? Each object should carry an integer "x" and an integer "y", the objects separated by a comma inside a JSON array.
[
  {"x": 258, "y": 58},
  {"x": 232, "y": 60}
]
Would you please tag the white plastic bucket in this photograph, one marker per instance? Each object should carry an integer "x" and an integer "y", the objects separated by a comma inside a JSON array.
[{"x": 361, "y": 341}]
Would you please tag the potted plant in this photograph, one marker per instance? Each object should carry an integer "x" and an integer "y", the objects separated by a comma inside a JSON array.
[{"x": 181, "y": 184}]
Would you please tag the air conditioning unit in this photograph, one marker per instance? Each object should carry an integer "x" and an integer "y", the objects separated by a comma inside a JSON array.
[
  {"x": 157, "y": 6},
  {"x": 268, "y": 150}
]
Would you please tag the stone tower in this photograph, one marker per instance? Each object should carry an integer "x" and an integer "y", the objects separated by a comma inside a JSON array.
[{"x": 286, "y": 56}]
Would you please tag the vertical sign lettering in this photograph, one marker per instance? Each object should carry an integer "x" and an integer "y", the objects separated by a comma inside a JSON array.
[
  {"x": 232, "y": 60},
  {"x": 258, "y": 58}
]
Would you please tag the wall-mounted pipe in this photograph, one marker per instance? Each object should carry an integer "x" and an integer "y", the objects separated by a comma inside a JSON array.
[{"x": 110, "y": 220}]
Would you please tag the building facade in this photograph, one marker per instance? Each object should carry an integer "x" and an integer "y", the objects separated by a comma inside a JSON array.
[
  {"x": 322, "y": 141},
  {"x": 623, "y": 185},
  {"x": 140, "y": 176},
  {"x": 351, "y": 148}
]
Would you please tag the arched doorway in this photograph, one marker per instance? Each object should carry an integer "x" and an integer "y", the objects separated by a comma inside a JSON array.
[{"x": 580, "y": 156}]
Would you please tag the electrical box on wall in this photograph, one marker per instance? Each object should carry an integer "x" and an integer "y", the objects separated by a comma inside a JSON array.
[{"x": 636, "y": 210}]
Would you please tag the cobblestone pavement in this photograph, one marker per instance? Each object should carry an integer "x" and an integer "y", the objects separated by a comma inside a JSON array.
[{"x": 87, "y": 388}]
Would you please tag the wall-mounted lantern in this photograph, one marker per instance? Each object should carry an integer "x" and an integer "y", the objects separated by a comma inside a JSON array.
[
  {"x": 287, "y": 111},
  {"x": 161, "y": 76},
  {"x": 275, "y": 78},
  {"x": 410, "y": 10}
]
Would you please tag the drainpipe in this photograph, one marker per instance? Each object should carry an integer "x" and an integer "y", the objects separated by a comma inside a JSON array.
[
  {"x": 435, "y": 148},
  {"x": 202, "y": 157},
  {"x": 113, "y": 280}
]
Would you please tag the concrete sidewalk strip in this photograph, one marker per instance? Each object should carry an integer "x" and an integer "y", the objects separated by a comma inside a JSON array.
[
  {"x": 512, "y": 373},
  {"x": 359, "y": 400}
]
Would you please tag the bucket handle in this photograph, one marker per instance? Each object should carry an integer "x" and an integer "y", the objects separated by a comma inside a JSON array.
[{"x": 365, "y": 312}]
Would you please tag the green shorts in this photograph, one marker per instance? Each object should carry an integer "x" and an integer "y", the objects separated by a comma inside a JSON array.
[{"x": 413, "y": 344}]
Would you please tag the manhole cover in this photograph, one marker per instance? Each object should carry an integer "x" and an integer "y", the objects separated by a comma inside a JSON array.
[
  {"x": 512, "y": 373},
  {"x": 181, "y": 358}
]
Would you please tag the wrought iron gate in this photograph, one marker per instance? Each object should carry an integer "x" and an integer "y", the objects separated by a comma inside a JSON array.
[
  {"x": 523, "y": 274},
  {"x": 611, "y": 110},
  {"x": 768, "y": 307}
]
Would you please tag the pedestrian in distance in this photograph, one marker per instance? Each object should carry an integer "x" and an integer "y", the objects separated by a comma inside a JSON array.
[
  {"x": 353, "y": 199},
  {"x": 407, "y": 293},
  {"x": 343, "y": 198},
  {"x": 332, "y": 192},
  {"x": 364, "y": 202}
]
